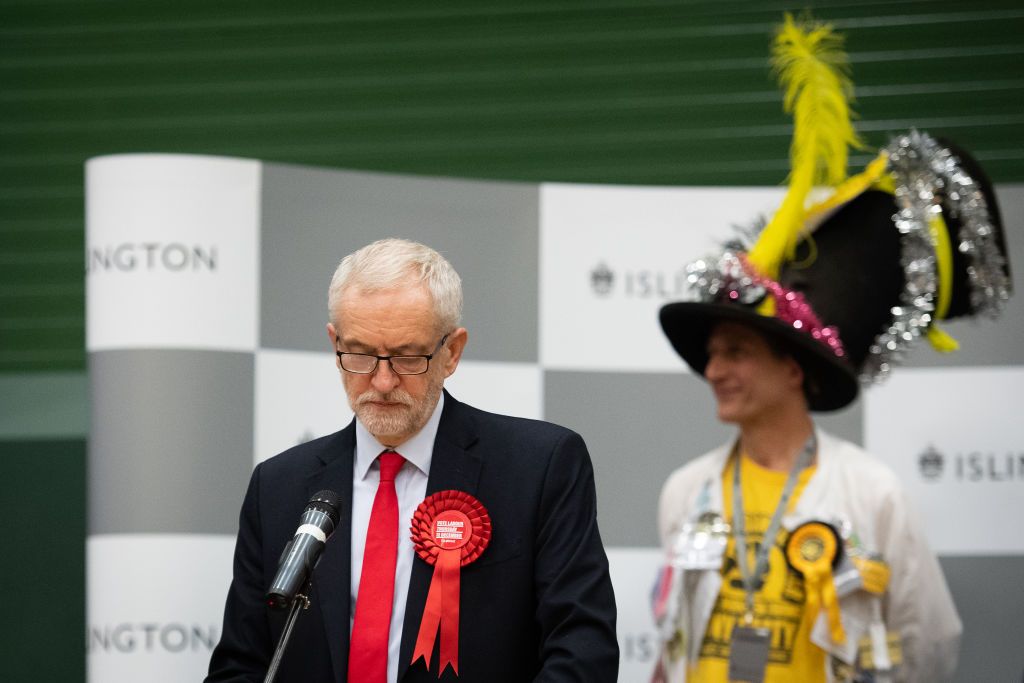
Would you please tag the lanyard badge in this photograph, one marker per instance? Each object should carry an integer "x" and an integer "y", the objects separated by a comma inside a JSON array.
[{"x": 749, "y": 645}]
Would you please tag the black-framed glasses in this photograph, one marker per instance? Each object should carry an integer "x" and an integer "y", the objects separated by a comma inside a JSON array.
[{"x": 366, "y": 363}]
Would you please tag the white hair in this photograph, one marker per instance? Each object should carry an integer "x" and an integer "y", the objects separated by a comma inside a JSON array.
[{"x": 392, "y": 263}]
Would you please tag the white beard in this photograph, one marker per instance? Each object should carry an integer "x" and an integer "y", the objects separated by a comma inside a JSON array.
[{"x": 405, "y": 420}]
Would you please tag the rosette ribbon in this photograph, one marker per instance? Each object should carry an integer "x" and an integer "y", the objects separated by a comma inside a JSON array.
[
  {"x": 449, "y": 530},
  {"x": 812, "y": 550}
]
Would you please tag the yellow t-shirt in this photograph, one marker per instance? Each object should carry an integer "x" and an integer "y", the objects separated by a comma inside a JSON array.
[{"x": 778, "y": 605}]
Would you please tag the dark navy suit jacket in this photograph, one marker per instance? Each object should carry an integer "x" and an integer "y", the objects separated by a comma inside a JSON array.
[{"x": 536, "y": 606}]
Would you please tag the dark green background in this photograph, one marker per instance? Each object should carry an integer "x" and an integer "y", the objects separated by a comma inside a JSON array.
[
  {"x": 650, "y": 92},
  {"x": 42, "y": 506},
  {"x": 662, "y": 92}
]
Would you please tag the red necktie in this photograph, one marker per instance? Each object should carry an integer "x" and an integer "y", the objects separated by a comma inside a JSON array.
[{"x": 368, "y": 651}]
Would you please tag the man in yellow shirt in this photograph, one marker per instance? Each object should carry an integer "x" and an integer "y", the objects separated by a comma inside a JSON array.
[
  {"x": 793, "y": 555},
  {"x": 761, "y": 390}
]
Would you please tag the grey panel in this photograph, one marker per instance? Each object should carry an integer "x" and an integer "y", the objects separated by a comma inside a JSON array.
[
  {"x": 988, "y": 595},
  {"x": 984, "y": 341},
  {"x": 638, "y": 427},
  {"x": 488, "y": 230},
  {"x": 641, "y": 427},
  {"x": 172, "y": 440},
  {"x": 847, "y": 423}
]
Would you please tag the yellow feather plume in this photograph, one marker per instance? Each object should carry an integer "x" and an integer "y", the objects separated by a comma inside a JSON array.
[{"x": 814, "y": 73}]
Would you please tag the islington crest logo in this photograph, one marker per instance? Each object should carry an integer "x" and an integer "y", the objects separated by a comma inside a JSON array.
[
  {"x": 638, "y": 283},
  {"x": 931, "y": 463},
  {"x": 972, "y": 466},
  {"x": 602, "y": 279}
]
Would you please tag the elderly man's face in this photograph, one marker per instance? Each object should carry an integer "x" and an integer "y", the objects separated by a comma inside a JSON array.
[{"x": 394, "y": 322}]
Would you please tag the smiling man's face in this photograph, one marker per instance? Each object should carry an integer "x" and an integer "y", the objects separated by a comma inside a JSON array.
[{"x": 750, "y": 380}]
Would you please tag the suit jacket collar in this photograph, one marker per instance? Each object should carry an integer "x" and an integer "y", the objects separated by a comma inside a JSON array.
[
  {"x": 453, "y": 466},
  {"x": 332, "y": 592}
]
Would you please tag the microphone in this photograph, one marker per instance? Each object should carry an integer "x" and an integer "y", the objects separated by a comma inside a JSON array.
[{"x": 302, "y": 552}]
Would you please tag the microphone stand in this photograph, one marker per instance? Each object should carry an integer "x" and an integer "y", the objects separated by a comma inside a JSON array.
[{"x": 299, "y": 602}]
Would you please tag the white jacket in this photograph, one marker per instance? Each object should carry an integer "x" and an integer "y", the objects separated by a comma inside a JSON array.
[{"x": 851, "y": 485}]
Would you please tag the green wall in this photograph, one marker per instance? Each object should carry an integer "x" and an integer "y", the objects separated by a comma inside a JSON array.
[
  {"x": 43, "y": 567},
  {"x": 653, "y": 92}
]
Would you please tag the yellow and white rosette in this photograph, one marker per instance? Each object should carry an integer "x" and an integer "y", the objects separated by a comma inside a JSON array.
[{"x": 813, "y": 550}]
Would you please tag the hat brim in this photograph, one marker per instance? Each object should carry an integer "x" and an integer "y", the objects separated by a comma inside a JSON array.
[{"x": 830, "y": 383}]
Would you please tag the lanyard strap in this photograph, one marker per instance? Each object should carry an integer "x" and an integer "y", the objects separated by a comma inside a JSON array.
[{"x": 752, "y": 579}]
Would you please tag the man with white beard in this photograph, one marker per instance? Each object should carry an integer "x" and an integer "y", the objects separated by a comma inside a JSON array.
[{"x": 505, "y": 561}]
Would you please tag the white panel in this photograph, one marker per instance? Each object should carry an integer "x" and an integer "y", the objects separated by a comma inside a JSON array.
[
  {"x": 956, "y": 440},
  {"x": 633, "y": 572},
  {"x": 299, "y": 396},
  {"x": 155, "y": 605},
  {"x": 612, "y": 256},
  {"x": 172, "y": 252},
  {"x": 506, "y": 388}
]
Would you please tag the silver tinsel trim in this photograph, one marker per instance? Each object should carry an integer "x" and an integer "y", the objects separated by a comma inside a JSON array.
[
  {"x": 925, "y": 172},
  {"x": 723, "y": 277},
  {"x": 731, "y": 279}
]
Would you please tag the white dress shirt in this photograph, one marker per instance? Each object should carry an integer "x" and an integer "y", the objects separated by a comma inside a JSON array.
[{"x": 411, "y": 487}]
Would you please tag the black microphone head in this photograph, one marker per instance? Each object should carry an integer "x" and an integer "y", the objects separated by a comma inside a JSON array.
[
  {"x": 302, "y": 552},
  {"x": 327, "y": 502}
]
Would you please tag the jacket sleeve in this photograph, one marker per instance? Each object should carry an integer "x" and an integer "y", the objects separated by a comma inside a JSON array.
[
  {"x": 575, "y": 603},
  {"x": 918, "y": 604},
  {"x": 243, "y": 653}
]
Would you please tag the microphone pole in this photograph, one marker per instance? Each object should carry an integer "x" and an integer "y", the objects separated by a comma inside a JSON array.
[
  {"x": 293, "y": 582},
  {"x": 300, "y": 602}
]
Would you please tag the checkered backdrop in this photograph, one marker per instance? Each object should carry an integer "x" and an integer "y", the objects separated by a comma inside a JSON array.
[{"x": 206, "y": 292}]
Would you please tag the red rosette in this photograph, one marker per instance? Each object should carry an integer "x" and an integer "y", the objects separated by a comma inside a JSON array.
[
  {"x": 424, "y": 538},
  {"x": 449, "y": 530}
]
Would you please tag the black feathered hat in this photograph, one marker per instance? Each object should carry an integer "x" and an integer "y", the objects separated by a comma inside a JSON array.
[
  {"x": 847, "y": 285},
  {"x": 921, "y": 240}
]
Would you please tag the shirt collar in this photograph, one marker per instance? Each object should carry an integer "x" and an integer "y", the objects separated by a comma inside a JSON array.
[{"x": 418, "y": 450}]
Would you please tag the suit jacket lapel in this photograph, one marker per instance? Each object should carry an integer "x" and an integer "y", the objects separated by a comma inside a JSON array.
[
  {"x": 333, "y": 574},
  {"x": 452, "y": 466}
]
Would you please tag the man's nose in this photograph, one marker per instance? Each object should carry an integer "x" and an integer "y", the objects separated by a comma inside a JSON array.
[
  {"x": 384, "y": 377},
  {"x": 713, "y": 369}
]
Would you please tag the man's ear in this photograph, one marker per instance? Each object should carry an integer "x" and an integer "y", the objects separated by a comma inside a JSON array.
[
  {"x": 332, "y": 335},
  {"x": 455, "y": 344}
]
